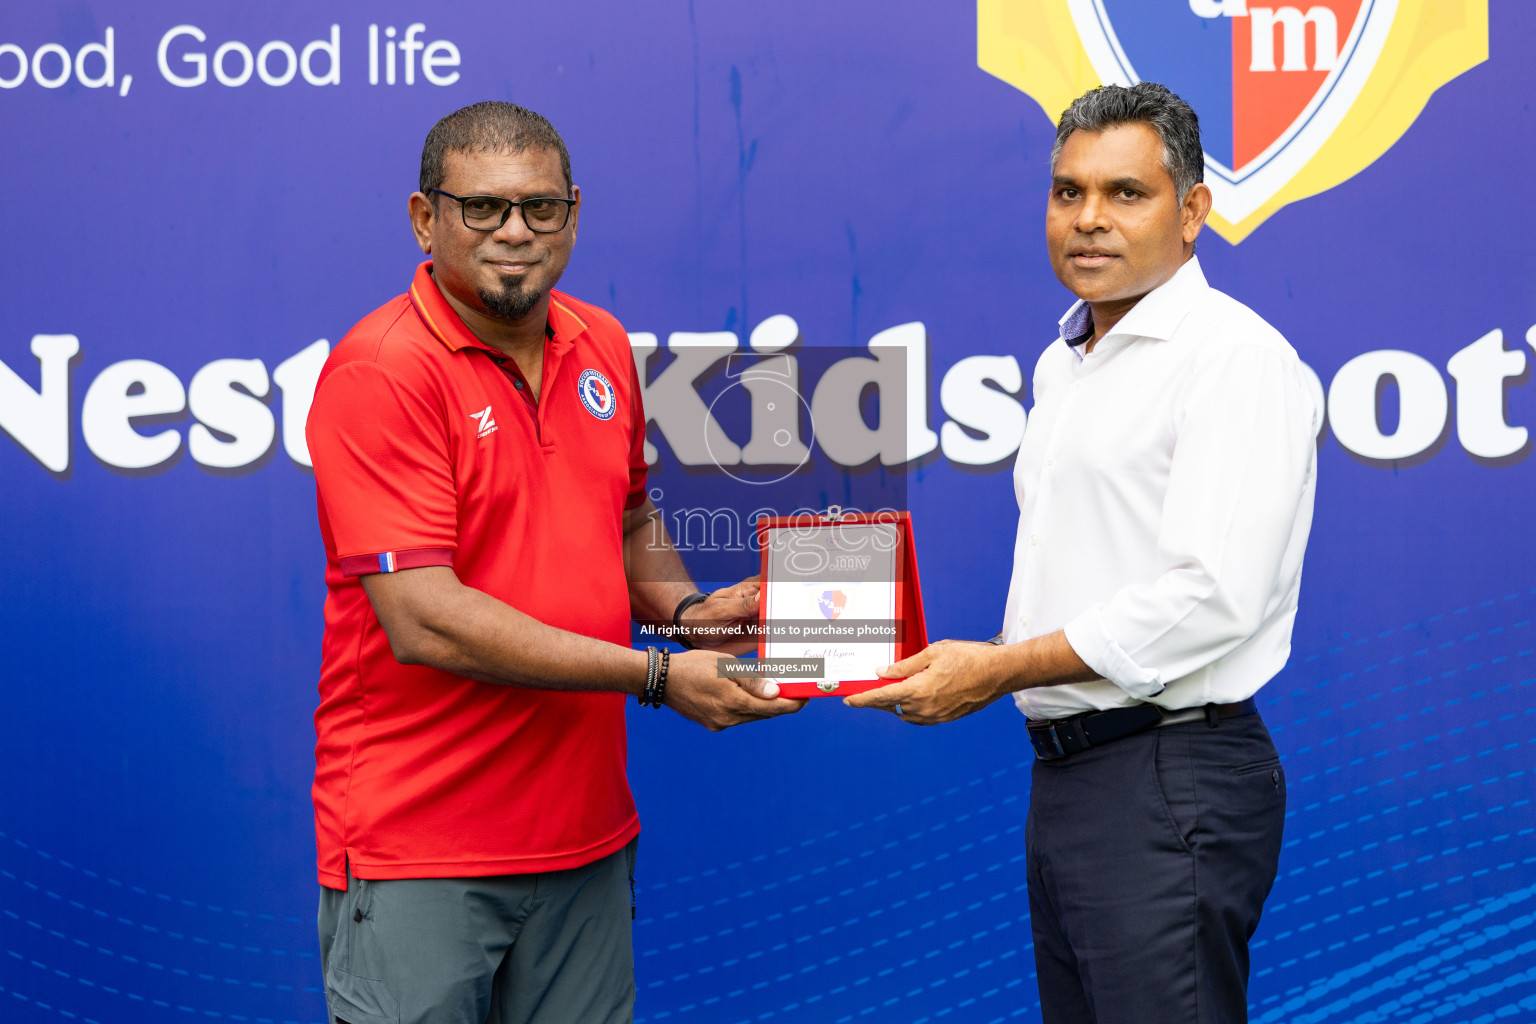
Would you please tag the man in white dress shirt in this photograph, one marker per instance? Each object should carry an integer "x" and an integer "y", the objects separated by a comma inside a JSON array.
[{"x": 1165, "y": 484}]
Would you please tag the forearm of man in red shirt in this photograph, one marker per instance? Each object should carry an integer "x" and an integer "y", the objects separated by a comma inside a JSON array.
[{"x": 433, "y": 619}]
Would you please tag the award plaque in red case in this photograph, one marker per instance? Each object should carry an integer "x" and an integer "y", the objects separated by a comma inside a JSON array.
[{"x": 839, "y": 572}]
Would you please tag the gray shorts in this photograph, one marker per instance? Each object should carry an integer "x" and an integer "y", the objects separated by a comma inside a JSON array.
[{"x": 551, "y": 948}]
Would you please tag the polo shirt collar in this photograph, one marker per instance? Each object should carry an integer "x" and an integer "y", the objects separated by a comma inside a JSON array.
[
  {"x": 563, "y": 327},
  {"x": 1157, "y": 315},
  {"x": 565, "y": 324}
]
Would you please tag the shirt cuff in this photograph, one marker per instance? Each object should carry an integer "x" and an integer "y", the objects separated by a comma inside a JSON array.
[
  {"x": 1092, "y": 642},
  {"x": 394, "y": 561}
]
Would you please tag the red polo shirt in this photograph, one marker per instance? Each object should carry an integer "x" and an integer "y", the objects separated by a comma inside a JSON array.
[{"x": 427, "y": 453}]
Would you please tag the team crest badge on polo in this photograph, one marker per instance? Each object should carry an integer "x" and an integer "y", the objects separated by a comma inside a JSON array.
[
  {"x": 1292, "y": 100},
  {"x": 596, "y": 394}
]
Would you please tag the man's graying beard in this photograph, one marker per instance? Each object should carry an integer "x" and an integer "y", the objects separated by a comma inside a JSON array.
[{"x": 511, "y": 303}]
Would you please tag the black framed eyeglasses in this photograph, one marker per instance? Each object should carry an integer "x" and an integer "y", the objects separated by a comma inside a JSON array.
[{"x": 543, "y": 214}]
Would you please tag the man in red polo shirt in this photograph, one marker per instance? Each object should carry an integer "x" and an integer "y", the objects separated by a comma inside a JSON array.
[{"x": 477, "y": 445}]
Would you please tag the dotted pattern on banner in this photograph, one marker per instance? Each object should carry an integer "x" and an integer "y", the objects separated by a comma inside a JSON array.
[
  {"x": 127, "y": 958},
  {"x": 91, "y": 960},
  {"x": 131, "y": 923},
  {"x": 1351, "y": 976},
  {"x": 131, "y": 997},
  {"x": 141, "y": 891}
]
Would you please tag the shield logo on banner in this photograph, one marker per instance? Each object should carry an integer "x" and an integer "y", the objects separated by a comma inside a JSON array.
[
  {"x": 831, "y": 603},
  {"x": 1293, "y": 99}
]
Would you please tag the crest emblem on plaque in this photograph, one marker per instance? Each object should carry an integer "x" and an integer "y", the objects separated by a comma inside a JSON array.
[
  {"x": 1293, "y": 99},
  {"x": 831, "y": 603}
]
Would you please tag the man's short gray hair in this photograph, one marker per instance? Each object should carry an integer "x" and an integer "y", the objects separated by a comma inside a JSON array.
[{"x": 1143, "y": 103}]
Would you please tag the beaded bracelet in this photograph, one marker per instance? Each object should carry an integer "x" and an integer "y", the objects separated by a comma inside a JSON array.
[{"x": 661, "y": 679}]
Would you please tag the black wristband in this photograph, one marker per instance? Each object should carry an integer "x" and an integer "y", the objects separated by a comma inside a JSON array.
[{"x": 697, "y": 597}]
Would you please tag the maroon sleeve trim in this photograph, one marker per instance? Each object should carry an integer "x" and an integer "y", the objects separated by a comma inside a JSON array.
[{"x": 394, "y": 561}]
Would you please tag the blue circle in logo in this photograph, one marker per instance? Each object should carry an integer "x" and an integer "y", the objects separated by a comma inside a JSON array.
[{"x": 597, "y": 394}]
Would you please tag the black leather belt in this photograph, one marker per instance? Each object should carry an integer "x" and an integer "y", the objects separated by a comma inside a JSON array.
[{"x": 1063, "y": 737}]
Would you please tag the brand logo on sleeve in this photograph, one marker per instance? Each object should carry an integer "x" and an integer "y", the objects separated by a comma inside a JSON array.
[
  {"x": 1292, "y": 99},
  {"x": 487, "y": 422},
  {"x": 597, "y": 394}
]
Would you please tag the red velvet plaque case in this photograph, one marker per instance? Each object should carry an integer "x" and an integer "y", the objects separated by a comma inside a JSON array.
[{"x": 912, "y": 632}]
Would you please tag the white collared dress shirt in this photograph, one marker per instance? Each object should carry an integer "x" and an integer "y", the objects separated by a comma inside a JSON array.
[{"x": 1165, "y": 484}]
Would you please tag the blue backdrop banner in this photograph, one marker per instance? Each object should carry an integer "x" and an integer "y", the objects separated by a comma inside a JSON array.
[{"x": 202, "y": 199}]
